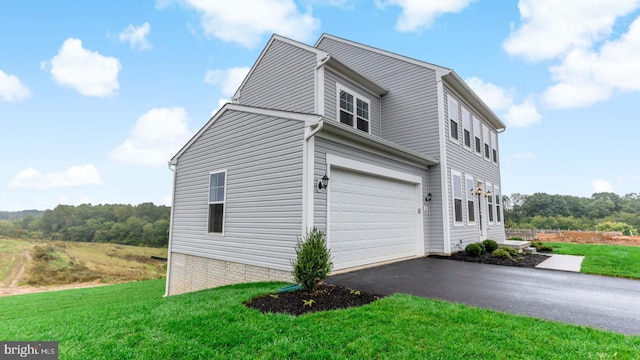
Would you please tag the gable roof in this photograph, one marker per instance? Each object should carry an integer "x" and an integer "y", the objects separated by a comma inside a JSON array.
[
  {"x": 449, "y": 76},
  {"x": 307, "y": 118},
  {"x": 323, "y": 57}
]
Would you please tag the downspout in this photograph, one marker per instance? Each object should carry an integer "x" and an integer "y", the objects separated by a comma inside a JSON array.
[
  {"x": 308, "y": 187},
  {"x": 172, "y": 168}
]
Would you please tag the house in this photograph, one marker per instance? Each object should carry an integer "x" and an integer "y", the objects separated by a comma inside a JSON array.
[{"x": 409, "y": 154}]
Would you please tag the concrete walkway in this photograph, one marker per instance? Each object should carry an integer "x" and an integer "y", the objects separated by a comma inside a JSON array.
[
  {"x": 571, "y": 263},
  {"x": 598, "y": 301}
]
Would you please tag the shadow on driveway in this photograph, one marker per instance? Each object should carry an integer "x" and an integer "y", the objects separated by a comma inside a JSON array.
[{"x": 598, "y": 301}]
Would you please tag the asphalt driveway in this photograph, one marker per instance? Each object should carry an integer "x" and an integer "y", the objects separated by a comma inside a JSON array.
[{"x": 597, "y": 301}]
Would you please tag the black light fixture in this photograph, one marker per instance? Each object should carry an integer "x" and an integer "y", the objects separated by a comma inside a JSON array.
[
  {"x": 428, "y": 198},
  {"x": 323, "y": 183},
  {"x": 488, "y": 193}
]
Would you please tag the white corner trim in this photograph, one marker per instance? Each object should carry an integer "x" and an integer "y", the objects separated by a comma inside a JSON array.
[{"x": 446, "y": 231}]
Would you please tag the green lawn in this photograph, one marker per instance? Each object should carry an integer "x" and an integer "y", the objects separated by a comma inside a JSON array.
[
  {"x": 612, "y": 260},
  {"x": 134, "y": 321}
]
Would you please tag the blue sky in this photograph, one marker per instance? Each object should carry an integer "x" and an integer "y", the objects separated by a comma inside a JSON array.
[{"x": 95, "y": 97}]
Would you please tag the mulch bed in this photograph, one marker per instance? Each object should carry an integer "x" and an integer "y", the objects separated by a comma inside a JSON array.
[
  {"x": 325, "y": 297},
  {"x": 526, "y": 261}
]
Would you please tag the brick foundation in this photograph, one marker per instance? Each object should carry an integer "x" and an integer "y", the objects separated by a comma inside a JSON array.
[{"x": 192, "y": 273}]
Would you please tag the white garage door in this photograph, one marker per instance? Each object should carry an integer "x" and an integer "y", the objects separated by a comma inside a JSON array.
[{"x": 371, "y": 219}]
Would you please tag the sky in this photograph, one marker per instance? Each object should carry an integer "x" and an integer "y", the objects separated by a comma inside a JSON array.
[{"x": 97, "y": 96}]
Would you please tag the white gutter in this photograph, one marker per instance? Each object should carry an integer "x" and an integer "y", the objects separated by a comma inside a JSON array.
[
  {"x": 172, "y": 168},
  {"x": 315, "y": 131},
  {"x": 307, "y": 176}
]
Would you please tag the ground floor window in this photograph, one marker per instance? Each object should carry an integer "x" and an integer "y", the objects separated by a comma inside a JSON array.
[{"x": 217, "y": 187}]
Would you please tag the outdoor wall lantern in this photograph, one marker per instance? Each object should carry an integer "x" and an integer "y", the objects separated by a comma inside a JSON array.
[
  {"x": 487, "y": 194},
  {"x": 428, "y": 198},
  {"x": 323, "y": 183},
  {"x": 477, "y": 191}
]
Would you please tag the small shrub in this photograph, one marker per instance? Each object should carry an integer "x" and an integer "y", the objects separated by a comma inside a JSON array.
[
  {"x": 313, "y": 262},
  {"x": 541, "y": 247},
  {"x": 482, "y": 248},
  {"x": 511, "y": 251},
  {"x": 490, "y": 245},
  {"x": 473, "y": 249},
  {"x": 501, "y": 254},
  {"x": 517, "y": 238}
]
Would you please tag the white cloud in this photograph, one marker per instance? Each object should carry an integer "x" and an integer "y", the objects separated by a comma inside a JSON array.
[
  {"x": 602, "y": 186},
  {"x": 88, "y": 72},
  {"x": 588, "y": 76},
  {"x": 523, "y": 156},
  {"x": 494, "y": 96},
  {"x": 550, "y": 28},
  {"x": 12, "y": 89},
  {"x": 419, "y": 14},
  {"x": 246, "y": 21},
  {"x": 501, "y": 100},
  {"x": 228, "y": 79},
  {"x": 31, "y": 178},
  {"x": 522, "y": 115},
  {"x": 136, "y": 36},
  {"x": 155, "y": 138}
]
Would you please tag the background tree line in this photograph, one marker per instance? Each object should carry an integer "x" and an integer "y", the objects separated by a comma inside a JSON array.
[
  {"x": 145, "y": 224},
  {"x": 605, "y": 211}
]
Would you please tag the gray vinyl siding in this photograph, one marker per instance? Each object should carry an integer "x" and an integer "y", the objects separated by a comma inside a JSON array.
[
  {"x": 263, "y": 207},
  {"x": 410, "y": 108},
  {"x": 459, "y": 158},
  {"x": 331, "y": 105},
  {"x": 326, "y": 145},
  {"x": 283, "y": 79}
]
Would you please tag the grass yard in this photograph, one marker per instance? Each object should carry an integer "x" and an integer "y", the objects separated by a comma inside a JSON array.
[
  {"x": 612, "y": 260},
  {"x": 134, "y": 321}
]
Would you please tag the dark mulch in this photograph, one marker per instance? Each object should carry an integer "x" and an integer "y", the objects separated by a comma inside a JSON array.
[
  {"x": 526, "y": 261},
  {"x": 325, "y": 297}
]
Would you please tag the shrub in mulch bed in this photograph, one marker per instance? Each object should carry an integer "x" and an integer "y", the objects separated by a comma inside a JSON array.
[
  {"x": 521, "y": 260},
  {"x": 324, "y": 297}
]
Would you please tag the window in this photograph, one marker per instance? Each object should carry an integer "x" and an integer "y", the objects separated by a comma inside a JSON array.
[
  {"x": 456, "y": 182},
  {"x": 490, "y": 202},
  {"x": 494, "y": 147},
  {"x": 466, "y": 126},
  {"x": 453, "y": 119},
  {"x": 217, "y": 186},
  {"x": 354, "y": 109},
  {"x": 485, "y": 137},
  {"x": 498, "y": 204},
  {"x": 476, "y": 132},
  {"x": 471, "y": 208}
]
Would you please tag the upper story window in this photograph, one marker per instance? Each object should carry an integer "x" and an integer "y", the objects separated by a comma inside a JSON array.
[
  {"x": 485, "y": 137},
  {"x": 494, "y": 147},
  {"x": 453, "y": 119},
  {"x": 476, "y": 133},
  {"x": 217, "y": 192},
  {"x": 353, "y": 109},
  {"x": 466, "y": 126}
]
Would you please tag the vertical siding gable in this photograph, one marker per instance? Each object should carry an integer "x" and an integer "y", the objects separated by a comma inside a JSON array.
[
  {"x": 263, "y": 212},
  {"x": 283, "y": 79}
]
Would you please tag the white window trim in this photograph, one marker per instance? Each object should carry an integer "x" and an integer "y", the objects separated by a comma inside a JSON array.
[
  {"x": 494, "y": 146},
  {"x": 450, "y": 100},
  {"x": 453, "y": 198},
  {"x": 469, "y": 128},
  {"x": 223, "y": 202},
  {"x": 477, "y": 130},
  {"x": 356, "y": 96},
  {"x": 489, "y": 187},
  {"x": 471, "y": 197},
  {"x": 486, "y": 142},
  {"x": 496, "y": 194}
]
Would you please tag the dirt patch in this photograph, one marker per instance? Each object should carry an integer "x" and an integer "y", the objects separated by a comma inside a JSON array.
[
  {"x": 26, "y": 289},
  {"x": 586, "y": 237},
  {"x": 325, "y": 297}
]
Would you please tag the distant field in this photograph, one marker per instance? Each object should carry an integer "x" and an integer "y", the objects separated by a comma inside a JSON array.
[{"x": 25, "y": 263}]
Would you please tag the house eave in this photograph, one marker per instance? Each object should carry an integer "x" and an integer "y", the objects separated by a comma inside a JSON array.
[
  {"x": 370, "y": 141},
  {"x": 456, "y": 83}
]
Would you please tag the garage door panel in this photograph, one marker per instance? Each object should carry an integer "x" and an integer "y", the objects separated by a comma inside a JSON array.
[{"x": 372, "y": 219}]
